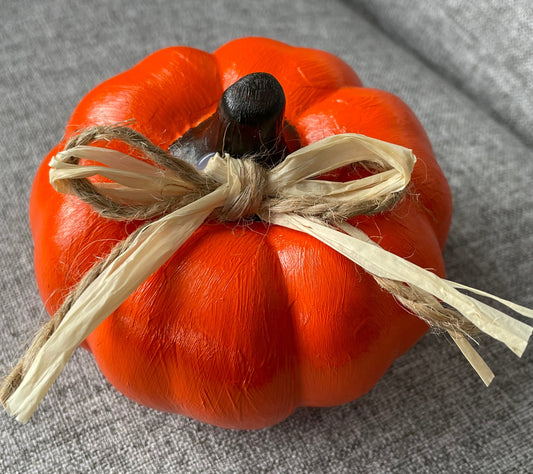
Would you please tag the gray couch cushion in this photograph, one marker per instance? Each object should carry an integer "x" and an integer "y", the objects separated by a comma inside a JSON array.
[
  {"x": 482, "y": 48},
  {"x": 464, "y": 71}
]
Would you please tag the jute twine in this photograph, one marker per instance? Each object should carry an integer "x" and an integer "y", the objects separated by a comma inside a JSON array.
[{"x": 159, "y": 186}]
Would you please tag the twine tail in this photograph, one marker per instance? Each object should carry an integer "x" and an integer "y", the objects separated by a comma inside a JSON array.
[
  {"x": 143, "y": 254},
  {"x": 436, "y": 315},
  {"x": 422, "y": 291},
  {"x": 12, "y": 381}
]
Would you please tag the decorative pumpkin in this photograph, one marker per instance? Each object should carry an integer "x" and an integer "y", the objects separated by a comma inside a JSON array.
[{"x": 244, "y": 323}]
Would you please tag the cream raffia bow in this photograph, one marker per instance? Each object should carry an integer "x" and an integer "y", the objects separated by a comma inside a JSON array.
[{"x": 141, "y": 186}]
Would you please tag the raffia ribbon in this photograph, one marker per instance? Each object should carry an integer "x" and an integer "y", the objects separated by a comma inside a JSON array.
[{"x": 176, "y": 199}]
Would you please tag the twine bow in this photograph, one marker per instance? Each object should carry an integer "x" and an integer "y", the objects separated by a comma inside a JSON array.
[{"x": 176, "y": 199}]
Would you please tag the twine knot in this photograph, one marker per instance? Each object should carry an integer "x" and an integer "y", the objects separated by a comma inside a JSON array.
[{"x": 247, "y": 182}]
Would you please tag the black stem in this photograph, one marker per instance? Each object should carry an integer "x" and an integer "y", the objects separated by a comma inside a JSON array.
[{"x": 248, "y": 122}]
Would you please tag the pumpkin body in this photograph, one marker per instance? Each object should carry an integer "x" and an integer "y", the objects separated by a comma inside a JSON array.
[{"x": 245, "y": 323}]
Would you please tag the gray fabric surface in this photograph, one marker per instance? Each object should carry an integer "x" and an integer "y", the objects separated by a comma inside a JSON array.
[
  {"x": 466, "y": 72},
  {"x": 482, "y": 48}
]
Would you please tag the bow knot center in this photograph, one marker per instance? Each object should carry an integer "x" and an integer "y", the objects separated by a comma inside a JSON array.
[{"x": 247, "y": 183}]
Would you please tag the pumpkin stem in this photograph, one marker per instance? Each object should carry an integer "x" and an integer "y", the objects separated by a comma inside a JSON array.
[{"x": 248, "y": 122}]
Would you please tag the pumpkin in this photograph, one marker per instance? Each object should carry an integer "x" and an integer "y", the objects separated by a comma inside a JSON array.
[{"x": 246, "y": 322}]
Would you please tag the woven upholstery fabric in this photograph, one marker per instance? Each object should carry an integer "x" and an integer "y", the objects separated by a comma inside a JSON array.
[{"x": 465, "y": 69}]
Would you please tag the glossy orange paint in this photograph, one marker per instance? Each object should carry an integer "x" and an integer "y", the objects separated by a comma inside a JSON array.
[{"x": 244, "y": 324}]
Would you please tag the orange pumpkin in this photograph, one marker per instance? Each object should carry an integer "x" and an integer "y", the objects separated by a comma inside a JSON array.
[{"x": 245, "y": 323}]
